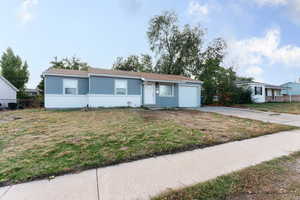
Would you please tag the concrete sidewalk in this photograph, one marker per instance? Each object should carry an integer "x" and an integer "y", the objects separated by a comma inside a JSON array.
[
  {"x": 279, "y": 118},
  {"x": 145, "y": 178}
]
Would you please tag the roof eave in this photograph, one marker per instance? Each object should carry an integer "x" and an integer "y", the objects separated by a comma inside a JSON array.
[{"x": 9, "y": 84}]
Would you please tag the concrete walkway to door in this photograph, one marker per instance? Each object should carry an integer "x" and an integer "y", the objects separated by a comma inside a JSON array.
[
  {"x": 279, "y": 118},
  {"x": 149, "y": 177}
]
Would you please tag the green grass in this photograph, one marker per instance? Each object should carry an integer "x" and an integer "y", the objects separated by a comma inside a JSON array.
[
  {"x": 292, "y": 108},
  {"x": 44, "y": 143},
  {"x": 276, "y": 179}
]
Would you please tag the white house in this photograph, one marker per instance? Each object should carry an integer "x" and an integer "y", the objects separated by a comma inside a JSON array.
[
  {"x": 262, "y": 92},
  {"x": 8, "y": 92}
]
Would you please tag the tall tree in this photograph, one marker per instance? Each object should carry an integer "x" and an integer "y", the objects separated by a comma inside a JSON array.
[
  {"x": 134, "y": 63},
  {"x": 14, "y": 69},
  {"x": 73, "y": 63},
  {"x": 177, "y": 50},
  {"x": 209, "y": 70}
]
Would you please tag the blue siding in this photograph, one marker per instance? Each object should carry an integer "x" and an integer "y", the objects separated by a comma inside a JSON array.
[
  {"x": 294, "y": 88},
  {"x": 167, "y": 101},
  {"x": 106, "y": 85},
  {"x": 101, "y": 85},
  {"x": 134, "y": 86},
  {"x": 54, "y": 85},
  {"x": 83, "y": 85}
]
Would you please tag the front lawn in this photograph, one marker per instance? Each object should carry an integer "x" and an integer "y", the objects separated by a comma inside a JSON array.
[
  {"x": 292, "y": 108},
  {"x": 274, "y": 180},
  {"x": 37, "y": 143}
]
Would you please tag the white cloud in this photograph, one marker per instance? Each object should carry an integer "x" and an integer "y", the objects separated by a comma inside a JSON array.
[
  {"x": 197, "y": 9},
  {"x": 26, "y": 10},
  {"x": 252, "y": 54},
  {"x": 271, "y": 2},
  {"x": 290, "y": 7}
]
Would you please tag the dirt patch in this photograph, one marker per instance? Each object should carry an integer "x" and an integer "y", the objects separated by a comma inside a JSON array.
[{"x": 215, "y": 127}]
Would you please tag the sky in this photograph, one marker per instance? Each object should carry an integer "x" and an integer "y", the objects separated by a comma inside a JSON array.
[{"x": 262, "y": 35}]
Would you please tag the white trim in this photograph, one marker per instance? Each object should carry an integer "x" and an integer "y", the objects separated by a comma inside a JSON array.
[
  {"x": 64, "y": 87},
  {"x": 9, "y": 84},
  {"x": 114, "y": 76},
  {"x": 65, "y": 75},
  {"x": 165, "y": 81},
  {"x": 115, "y": 88},
  {"x": 111, "y": 95}
]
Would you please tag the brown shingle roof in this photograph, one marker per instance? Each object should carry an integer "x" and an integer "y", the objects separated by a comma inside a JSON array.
[{"x": 98, "y": 71}]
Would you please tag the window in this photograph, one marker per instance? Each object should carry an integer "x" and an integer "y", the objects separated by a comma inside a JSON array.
[
  {"x": 120, "y": 87},
  {"x": 70, "y": 86},
  {"x": 258, "y": 90},
  {"x": 165, "y": 90}
]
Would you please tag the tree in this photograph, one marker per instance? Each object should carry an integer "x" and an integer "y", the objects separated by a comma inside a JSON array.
[
  {"x": 209, "y": 70},
  {"x": 41, "y": 87},
  {"x": 14, "y": 69},
  {"x": 134, "y": 63},
  {"x": 73, "y": 63},
  {"x": 177, "y": 50}
]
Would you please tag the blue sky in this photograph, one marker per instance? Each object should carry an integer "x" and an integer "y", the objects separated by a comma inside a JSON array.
[{"x": 262, "y": 35}]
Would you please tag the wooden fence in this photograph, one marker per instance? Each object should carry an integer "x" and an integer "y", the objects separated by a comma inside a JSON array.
[{"x": 285, "y": 98}]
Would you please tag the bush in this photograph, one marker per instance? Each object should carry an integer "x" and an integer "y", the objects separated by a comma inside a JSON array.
[
  {"x": 235, "y": 95},
  {"x": 12, "y": 106},
  {"x": 243, "y": 96}
]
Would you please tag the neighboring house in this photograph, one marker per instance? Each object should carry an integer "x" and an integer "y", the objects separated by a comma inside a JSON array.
[
  {"x": 8, "y": 92},
  {"x": 112, "y": 88},
  {"x": 262, "y": 92},
  {"x": 292, "y": 88},
  {"x": 31, "y": 92}
]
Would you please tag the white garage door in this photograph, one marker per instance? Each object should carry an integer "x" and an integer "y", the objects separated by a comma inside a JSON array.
[{"x": 188, "y": 96}]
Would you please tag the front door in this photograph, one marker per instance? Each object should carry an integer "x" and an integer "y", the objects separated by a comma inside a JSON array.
[{"x": 149, "y": 94}]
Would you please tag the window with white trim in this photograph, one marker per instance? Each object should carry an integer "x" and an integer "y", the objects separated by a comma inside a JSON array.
[
  {"x": 70, "y": 86},
  {"x": 120, "y": 87},
  {"x": 166, "y": 90}
]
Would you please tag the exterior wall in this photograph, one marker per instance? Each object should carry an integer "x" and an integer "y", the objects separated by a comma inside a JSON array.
[
  {"x": 167, "y": 101},
  {"x": 106, "y": 85},
  {"x": 294, "y": 88},
  {"x": 65, "y": 101},
  {"x": 54, "y": 85},
  {"x": 7, "y": 94},
  {"x": 258, "y": 98},
  {"x": 93, "y": 92},
  {"x": 96, "y": 100},
  {"x": 269, "y": 92}
]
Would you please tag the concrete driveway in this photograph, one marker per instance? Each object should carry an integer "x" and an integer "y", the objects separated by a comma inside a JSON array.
[{"x": 279, "y": 118}]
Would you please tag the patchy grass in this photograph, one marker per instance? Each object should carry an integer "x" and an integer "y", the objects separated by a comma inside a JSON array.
[
  {"x": 292, "y": 108},
  {"x": 274, "y": 180},
  {"x": 37, "y": 143}
]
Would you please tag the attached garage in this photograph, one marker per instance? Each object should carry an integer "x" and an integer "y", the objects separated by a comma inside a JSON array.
[{"x": 189, "y": 96}]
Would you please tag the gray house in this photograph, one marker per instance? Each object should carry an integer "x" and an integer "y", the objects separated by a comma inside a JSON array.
[{"x": 112, "y": 88}]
